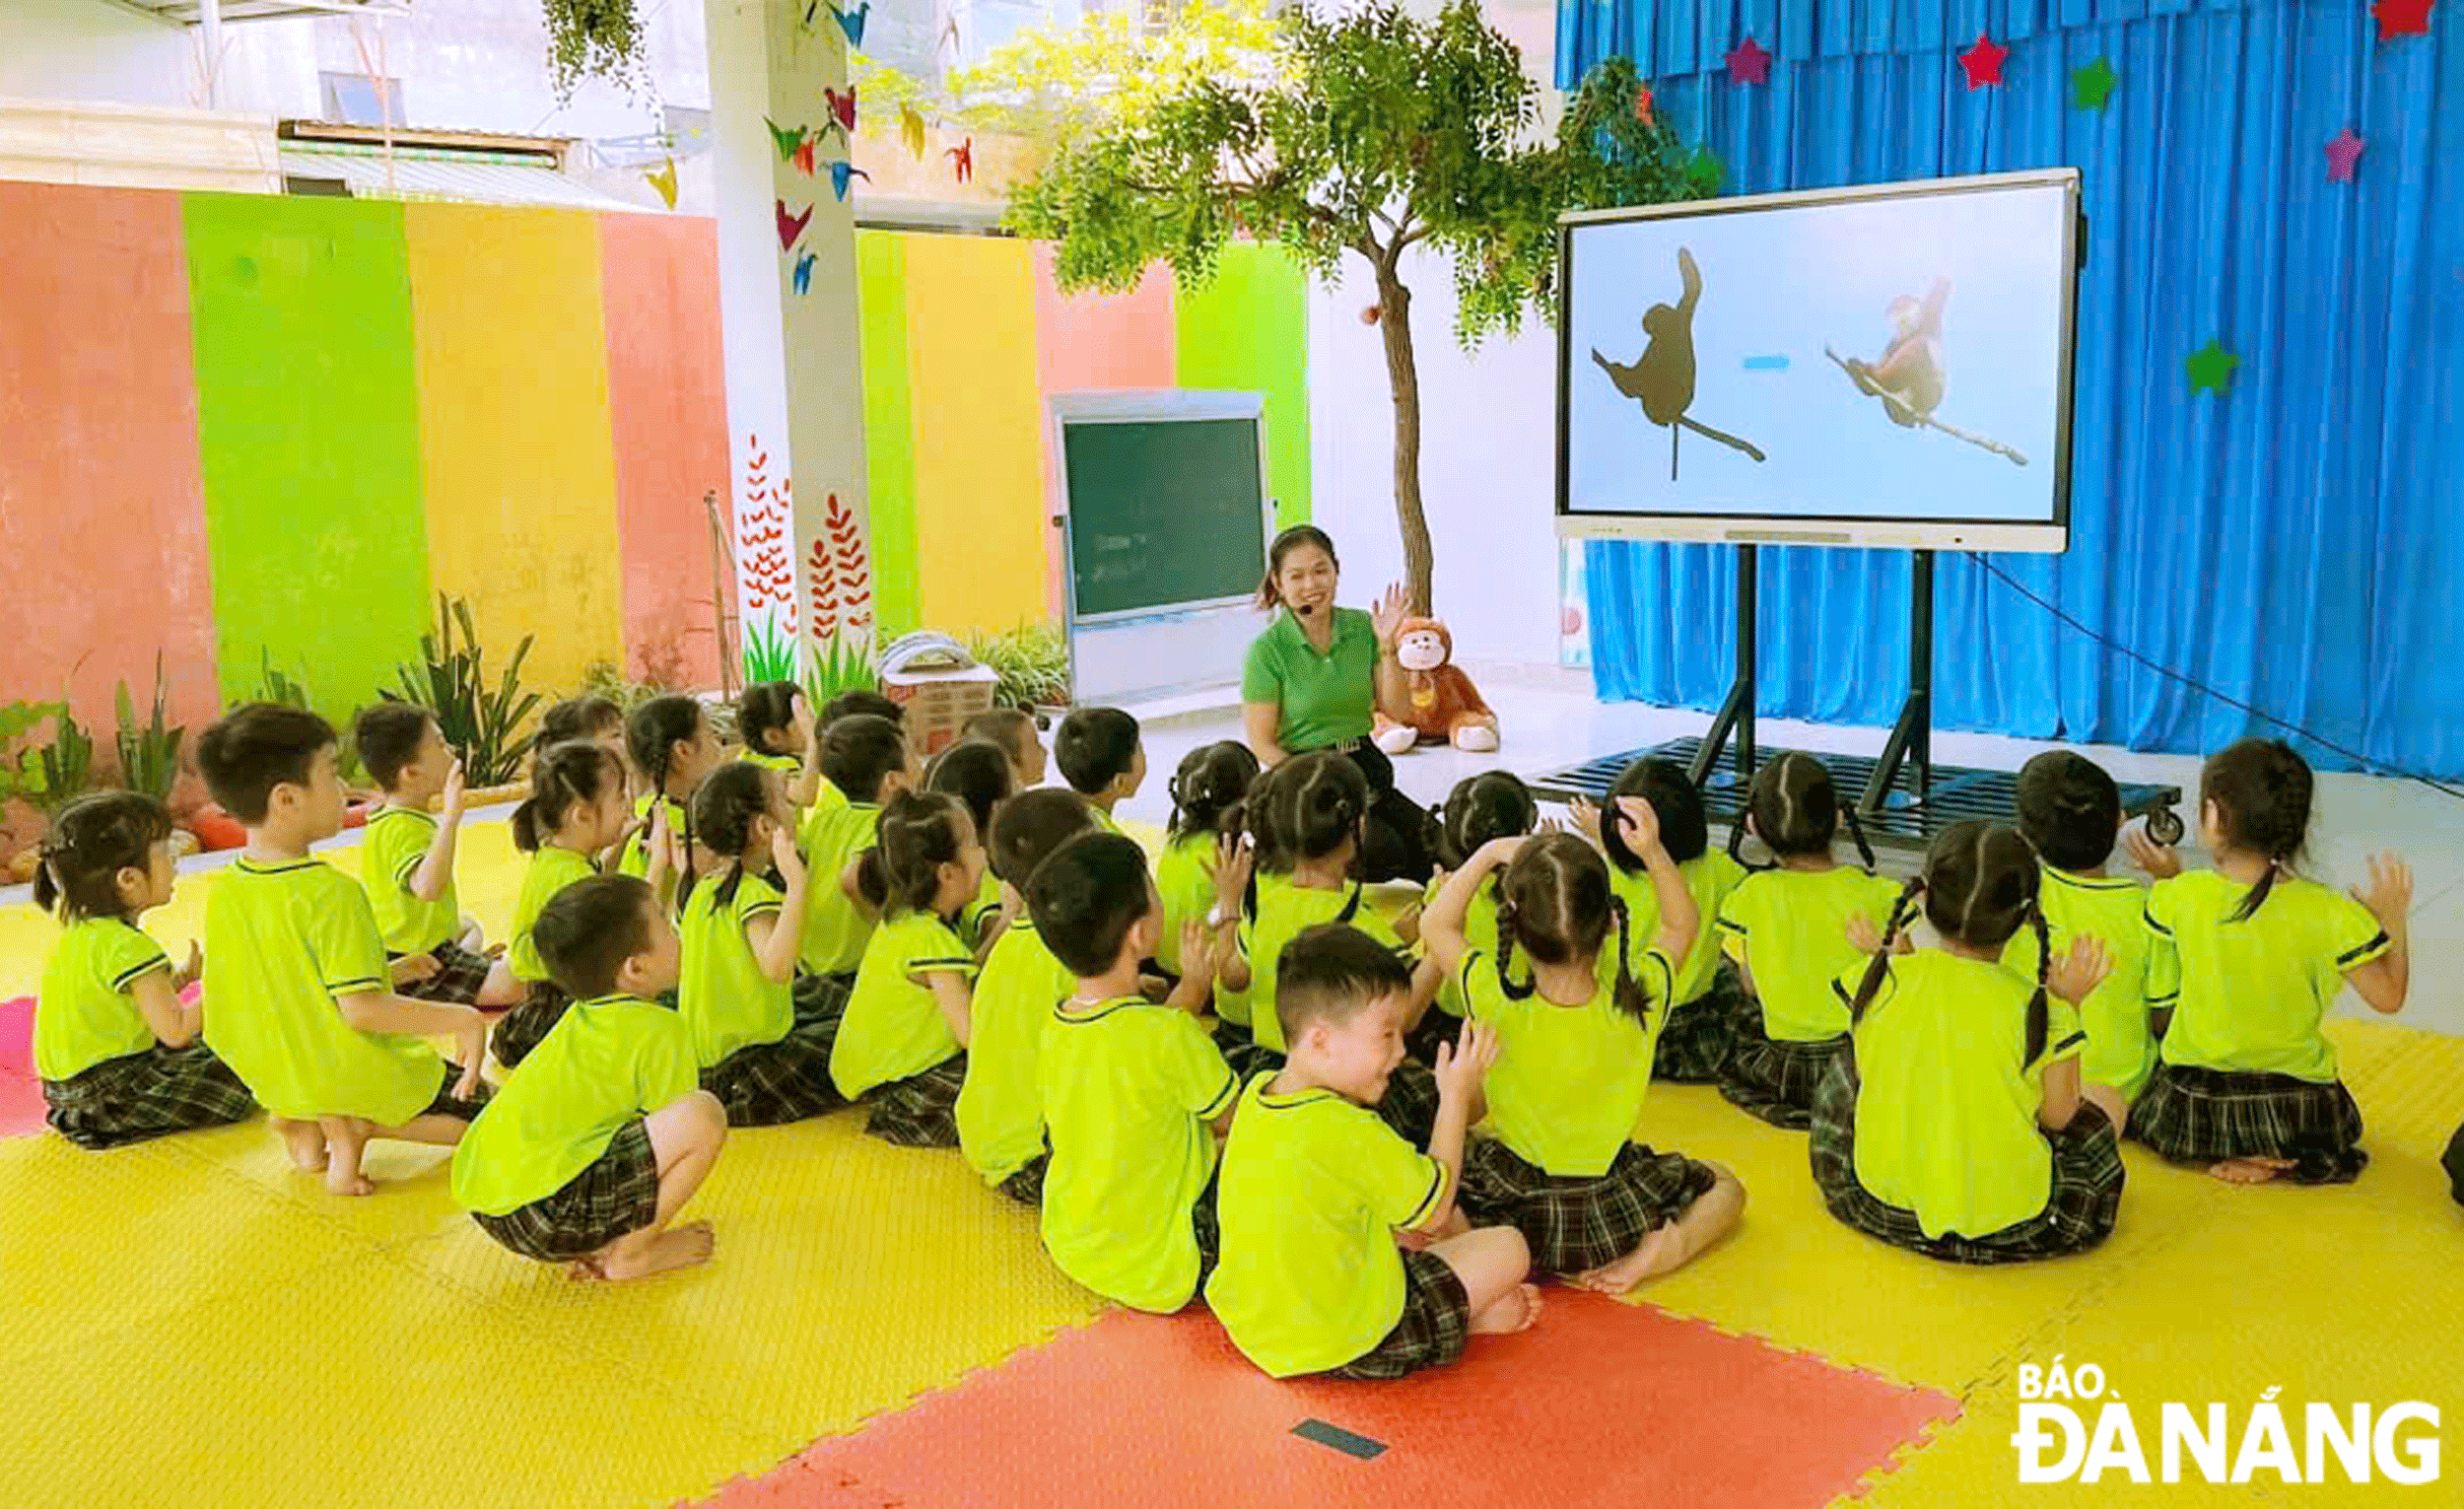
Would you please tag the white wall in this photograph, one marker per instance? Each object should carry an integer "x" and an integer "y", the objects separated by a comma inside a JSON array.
[
  {"x": 1488, "y": 437},
  {"x": 86, "y": 51}
]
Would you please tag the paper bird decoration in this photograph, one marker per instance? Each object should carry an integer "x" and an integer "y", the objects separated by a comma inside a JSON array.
[
  {"x": 963, "y": 158},
  {"x": 804, "y": 272},
  {"x": 2343, "y": 149},
  {"x": 843, "y": 106},
  {"x": 2402, "y": 18},
  {"x": 663, "y": 178},
  {"x": 853, "y": 22},
  {"x": 2211, "y": 367},
  {"x": 804, "y": 154},
  {"x": 2093, "y": 86},
  {"x": 841, "y": 173},
  {"x": 785, "y": 140},
  {"x": 791, "y": 227},
  {"x": 1749, "y": 63},
  {"x": 949, "y": 35},
  {"x": 1983, "y": 62},
  {"x": 911, "y": 129}
]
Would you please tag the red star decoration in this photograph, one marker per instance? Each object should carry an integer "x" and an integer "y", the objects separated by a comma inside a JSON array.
[
  {"x": 1749, "y": 63},
  {"x": 2343, "y": 149},
  {"x": 1983, "y": 61},
  {"x": 2402, "y": 18},
  {"x": 1642, "y": 104}
]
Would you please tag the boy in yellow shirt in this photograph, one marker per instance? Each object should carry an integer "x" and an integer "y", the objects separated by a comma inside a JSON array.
[
  {"x": 1133, "y": 1092},
  {"x": 299, "y": 1001},
  {"x": 406, "y": 859},
  {"x": 1343, "y": 1250},
  {"x": 600, "y": 1136},
  {"x": 1102, "y": 757},
  {"x": 1014, "y": 730}
]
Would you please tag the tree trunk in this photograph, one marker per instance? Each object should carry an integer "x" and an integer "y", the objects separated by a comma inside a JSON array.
[{"x": 1403, "y": 378}]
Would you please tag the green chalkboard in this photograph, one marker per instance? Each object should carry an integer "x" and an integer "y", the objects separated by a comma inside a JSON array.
[{"x": 1163, "y": 512}]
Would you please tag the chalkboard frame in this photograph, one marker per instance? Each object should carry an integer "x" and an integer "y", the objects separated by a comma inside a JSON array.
[{"x": 1204, "y": 636}]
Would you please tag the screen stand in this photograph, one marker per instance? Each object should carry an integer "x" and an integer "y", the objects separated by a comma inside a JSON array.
[
  {"x": 1913, "y": 735},
  {"x": 1737, "y": 715}
]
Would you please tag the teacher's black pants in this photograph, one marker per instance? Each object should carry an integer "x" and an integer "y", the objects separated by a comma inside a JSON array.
[{"x": 1403, "y": 836}]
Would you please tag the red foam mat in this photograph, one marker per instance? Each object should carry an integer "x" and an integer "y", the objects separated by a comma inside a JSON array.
[{"x": 1602, "y": 1404}]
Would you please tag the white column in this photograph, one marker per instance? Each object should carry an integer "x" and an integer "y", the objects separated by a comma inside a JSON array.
[
  {"x": 210, "y": 35},
  {"x": 790, "y": 329}
]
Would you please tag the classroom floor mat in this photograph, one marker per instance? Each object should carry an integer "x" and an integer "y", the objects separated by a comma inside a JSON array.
[{"x": 1600, "y": 1403}]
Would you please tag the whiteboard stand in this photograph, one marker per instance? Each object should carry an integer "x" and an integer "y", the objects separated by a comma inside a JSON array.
[{"x": 1165, "y": 648}]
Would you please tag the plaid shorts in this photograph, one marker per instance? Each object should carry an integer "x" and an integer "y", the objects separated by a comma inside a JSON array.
[
  {"x": 1699, "y": 1035},
  {"x": 616, "y": 1195},
  {"x": 1575, "y": 1225},
  {"x": 920, "y": 1109},
  {"x": 1775, "y": 1080},
  {"x": 1409, "y": 1104},
  {"x": 2079, "y": 1213},
  {"x": 1207, "y": 1227},
  {"x": 458, "y": 977},
  {"x": 521, "y": 1029},
  {"x": 770, "y": 1084},
  {"x": 1026, "y": 1185},
  {"x": 149, "y": 1094},
  {"x": 1435, "y": 1323},
  {"x": 449, "y": 1104},
  {"x": 2206, "y": 1115},
  {"x": 1241, "y": 1049}
]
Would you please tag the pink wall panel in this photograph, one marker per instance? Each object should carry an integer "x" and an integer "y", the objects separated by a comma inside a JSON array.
[
  {"x": 669, "y": 405},
  {"x": 1093, "y": 340},
  {"x": 102, "y": 506}
]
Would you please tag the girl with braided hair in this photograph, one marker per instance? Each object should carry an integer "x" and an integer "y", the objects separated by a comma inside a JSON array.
[
  {"x": 2249, "y": 955},
  {"x": 1956, "y": 1124},
  {"x": 576, "y": 810},
  {"x": 674, "y": 745},
  {"x": 1576, "y": 1037}
]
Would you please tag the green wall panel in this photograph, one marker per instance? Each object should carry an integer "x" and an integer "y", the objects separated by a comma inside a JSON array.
[
  {"x": 889, "y": 431},
  {"x": 1249, "y": 330}
]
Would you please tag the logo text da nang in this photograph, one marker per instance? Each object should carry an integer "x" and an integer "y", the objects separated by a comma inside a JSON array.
[{"x": 2072, "y": 1430}]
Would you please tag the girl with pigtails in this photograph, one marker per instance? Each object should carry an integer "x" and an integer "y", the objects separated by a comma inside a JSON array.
[
  {"x": 674, "y": 745},
  {"x": 1576, "y": 1031},
  {"x": 1956, "y": 1125},
  {"x": 1786, "y": 927}
]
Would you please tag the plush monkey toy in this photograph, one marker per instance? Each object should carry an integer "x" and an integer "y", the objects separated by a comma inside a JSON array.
[{"x": 1445, "y": 706}]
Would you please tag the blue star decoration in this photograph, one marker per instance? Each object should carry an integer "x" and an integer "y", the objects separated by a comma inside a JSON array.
[{"x": 2211, "y": 366}]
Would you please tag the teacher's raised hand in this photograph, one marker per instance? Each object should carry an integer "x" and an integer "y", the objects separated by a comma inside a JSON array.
[{"x": 1389, "y": 614}]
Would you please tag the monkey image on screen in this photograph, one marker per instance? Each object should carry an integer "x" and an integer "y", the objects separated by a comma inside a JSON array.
[
  {"x": 1662, "y": 378},
  {"x": 1908, "y": 376}
]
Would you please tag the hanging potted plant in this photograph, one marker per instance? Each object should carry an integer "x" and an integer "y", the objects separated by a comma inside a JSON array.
[{"x": 593, "y": 39}]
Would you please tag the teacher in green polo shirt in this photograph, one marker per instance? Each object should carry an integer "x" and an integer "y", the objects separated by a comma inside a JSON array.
[{"x": 1315, "y": 677}]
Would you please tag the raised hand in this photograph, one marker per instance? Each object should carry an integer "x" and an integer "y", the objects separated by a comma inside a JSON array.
[
  {"x": 1235, "y": 859},
  {"x": 1640, "y": 823},
  {"x": 789, "y": 859},
  {"x": 2389, "y": 894},
  {"x": 2081, "y": 968},
  {"x": 453, "y": 791},
  {"x": 2158, "y": 860},
  {"x": 1465, "y": 1063},
  {"x": 1584, "y": 815},
  {"x": 1389, "y": 615}
]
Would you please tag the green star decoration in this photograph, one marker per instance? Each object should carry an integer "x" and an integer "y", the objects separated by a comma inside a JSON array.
[
  {"x": 2092, "y": 85},
  {"x": 1706, "y": 173},
  {"x": 2211, "y": 366}
]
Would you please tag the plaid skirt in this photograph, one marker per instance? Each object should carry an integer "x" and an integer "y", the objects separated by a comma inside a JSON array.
[
  {"x": 449, "y": 1104},
  {"x": 1575, "y": 1225},
  {"x": 1773, "y": 1079},
  {"x": 1436, "y": 1026},
  {"x": 1435, "y": 1323},
  {"x": 1409, "y": 1104},
  {"x": 2454, "y": 1164},
  {"x": 522, "y": 1028},
  {"x": 770, "y": 1084},
  {"x": 615, "y": 1197},
  {"x": 2079, "y": 1213},
  {"x": 1241, "y": 1049},
  {"x": 1026, "y": 1185},
  {"x": 149, "y": 1094},
  {"x": 920, "y": 1109},
  {"x": 2206, "y": 1115},
  {"x": 458, "y": 977},
  {"x": 1699, "y": 1035},
  {"x": 1207, "y": 1227}
]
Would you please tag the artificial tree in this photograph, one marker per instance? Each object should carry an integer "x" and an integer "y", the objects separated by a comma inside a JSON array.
[{"x": 1367, "y": 132}]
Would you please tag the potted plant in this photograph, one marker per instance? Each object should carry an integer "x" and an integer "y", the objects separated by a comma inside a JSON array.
[
  {"x": 478, "y": 720},
  {"x": 150, "y": 752},
  {"x": 23, "y": 777}
]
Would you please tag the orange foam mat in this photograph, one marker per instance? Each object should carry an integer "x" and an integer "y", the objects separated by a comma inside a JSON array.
[{"x": 1602, "y": 1404}]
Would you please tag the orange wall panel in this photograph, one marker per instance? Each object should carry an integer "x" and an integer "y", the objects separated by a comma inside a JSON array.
[{"x": 1094, "y": 340}]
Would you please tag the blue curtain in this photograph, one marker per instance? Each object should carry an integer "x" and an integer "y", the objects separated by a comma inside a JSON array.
[{"x": 2296, "y": 543}]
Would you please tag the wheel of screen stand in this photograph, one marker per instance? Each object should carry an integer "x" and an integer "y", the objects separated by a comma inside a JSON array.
[{"x": 2165, "y": 826}]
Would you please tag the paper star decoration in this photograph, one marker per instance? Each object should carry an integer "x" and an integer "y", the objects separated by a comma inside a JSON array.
[
  {"x": 1706, "y": 173},
  {"x": 2211, "y": 366},
  {"x": 1642, "y": 104},
  {"x": 2343, "y": 149},
  {"x": 2402, "y": 18},
  {"x": 1983, "y": 62},
  {"x": 2093, "y": 86},
  {"x": 1749, "y": 63}
]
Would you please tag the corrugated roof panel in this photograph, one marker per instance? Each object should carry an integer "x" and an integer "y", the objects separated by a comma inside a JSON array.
[{"x": 455, "y": 181}]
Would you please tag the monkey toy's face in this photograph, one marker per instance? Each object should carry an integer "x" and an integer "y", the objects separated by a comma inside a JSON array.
[{"x": 1421, "y": 649}]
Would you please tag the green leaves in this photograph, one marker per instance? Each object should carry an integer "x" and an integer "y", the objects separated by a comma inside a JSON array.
[
  {"x": 594, "y": 38},
  {"x": 21, "y": 771},
  {"x": 149, "y": 752},
  {"x": 477, "y": 723},
  {"x": 275, "y": 685},
  {"x": 66, "y": 764}
]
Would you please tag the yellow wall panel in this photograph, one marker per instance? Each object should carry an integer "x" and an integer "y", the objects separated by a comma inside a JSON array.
[
  {"x": 520, "y": 477},
  {"x": 977, "y": 412}
]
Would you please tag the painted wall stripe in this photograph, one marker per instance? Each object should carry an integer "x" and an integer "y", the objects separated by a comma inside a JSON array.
[
  {"x": 1249, "y": 330},
  {"x": 889, "y": 429}
]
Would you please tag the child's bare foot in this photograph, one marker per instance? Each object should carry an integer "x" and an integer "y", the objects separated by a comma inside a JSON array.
[
  {"x": 1658, "y": 1252},
  {"x": 1516, "y": 1310},
  {"x": 682, "y": 1247},
  {"x": 2249, "y": 1170},
  {"x": 305, "y": 1142},
  {"x": 342, "y": 1181}
]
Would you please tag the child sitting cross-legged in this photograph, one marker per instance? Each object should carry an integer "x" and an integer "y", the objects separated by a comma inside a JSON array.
[
  {"x": 591, "y": 1146},
  {"x": 406, "y": 859},
  {"x": 1318, "y": 1198},
  {"x": 576, "y": 811},
  {"x": 904, "y": 1040},
  {"x": 1131, "y": 1091},
  {"x": 116, "y": 1049},
  {"x": 1001, "y": 1110},
  {"x": 1574, "y": 1059},
  {"x": 762, "y": 1034},
  {"x": 299, "y": 1001},
  {"x": 2070, "y": 814}
]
